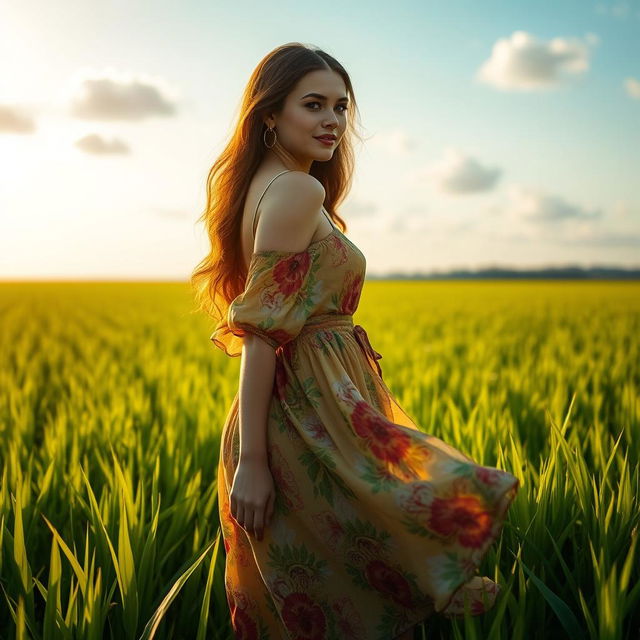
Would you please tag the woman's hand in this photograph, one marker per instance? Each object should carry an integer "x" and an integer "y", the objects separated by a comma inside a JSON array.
[{"x": 252, "y": 496}]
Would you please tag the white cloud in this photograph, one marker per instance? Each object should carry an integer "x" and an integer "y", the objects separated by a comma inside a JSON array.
[
  {"x": 358, "y": 209},
  {"x": 396, "y": 142},
  {"x": 416, "y": 220},
  {"x": 532, "y": 217},
  {"x": 523, "y": 62},
  {"x": 592, "y": 38},
  {"x": 109, "y": 95},
  {"x": 533, "y": 205},
  {"x": 624, "y": 211},
  {"x": 592, "y": 236},
  {"x": 633, "y": 87},
  {"x": 14, "y": 120},
  {"x": 615, "y": 9},
  {"x": 98, "y": 145},
  {"x": 459, "y": 173}
]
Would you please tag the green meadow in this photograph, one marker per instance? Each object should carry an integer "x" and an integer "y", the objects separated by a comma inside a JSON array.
[{"x": 113, "y": 400}]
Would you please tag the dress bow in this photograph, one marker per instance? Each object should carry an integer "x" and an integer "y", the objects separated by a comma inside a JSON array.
[{"x": 363, "y": 341}]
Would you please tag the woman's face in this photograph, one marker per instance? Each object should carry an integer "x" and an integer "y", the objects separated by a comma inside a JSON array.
[{"x": 304, "y": 117}]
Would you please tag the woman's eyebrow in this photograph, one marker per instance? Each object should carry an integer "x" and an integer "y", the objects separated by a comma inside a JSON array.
[{"x": 321, "y": 97}]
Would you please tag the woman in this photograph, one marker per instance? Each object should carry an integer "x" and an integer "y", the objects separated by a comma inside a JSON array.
[{"x": 341, "y": 519}]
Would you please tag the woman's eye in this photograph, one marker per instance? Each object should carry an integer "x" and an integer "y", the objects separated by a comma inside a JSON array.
[{"x": 344, "y": 107}]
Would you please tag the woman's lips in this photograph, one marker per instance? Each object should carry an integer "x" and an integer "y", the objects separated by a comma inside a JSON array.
[{"x": 326, "y": 142}]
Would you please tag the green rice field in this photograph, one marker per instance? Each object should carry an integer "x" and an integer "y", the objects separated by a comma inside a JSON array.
[{"x": 113, "y": 400}]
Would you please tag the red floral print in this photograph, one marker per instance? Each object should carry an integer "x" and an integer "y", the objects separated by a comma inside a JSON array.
[
  {"x": 368, "y": 506},
  {"x": 464, "y": 516},
  {"x": 317, "y": 430},
  {"x": 284, "y": 479},
  {"x": 419, "y": 498},
  {"x": 279, "y": 335},
  {"x": 352, "y": 291},
  {"x": 271, "y": 299},
  {"x": 388, "y": 581},
  {"x": 477, "y": 607},
  {"x": 304, "y": 619},
  {"x": 488, "y": 476},
  {"x": 280, "y": 378},
  {"x": 244, "y": 626},
  {"x": 232, "y": 533},
  {"x": 289, "y": 273},
  {"x": 339, "y": 251},
  {"x": 329, "y": 526},
  {"x": 323, "y": 337},
  {"x": 386, "y": 441},
  {"x": 474, "y": 593},
  {"x": 348, "y": 620}
]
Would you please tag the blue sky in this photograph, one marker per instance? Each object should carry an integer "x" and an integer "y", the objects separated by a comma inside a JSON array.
[{"x": 498, "y": 133}]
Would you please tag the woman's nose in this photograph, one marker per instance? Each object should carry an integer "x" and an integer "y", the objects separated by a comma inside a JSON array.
[{"x": 333, "y": 120}]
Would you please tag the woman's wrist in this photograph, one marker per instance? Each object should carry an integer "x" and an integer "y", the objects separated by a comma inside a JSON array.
[{"x": 253, "y": 456}]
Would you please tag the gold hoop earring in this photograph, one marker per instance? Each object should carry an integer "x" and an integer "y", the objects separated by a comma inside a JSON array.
[{"x": 264, "y": 137}]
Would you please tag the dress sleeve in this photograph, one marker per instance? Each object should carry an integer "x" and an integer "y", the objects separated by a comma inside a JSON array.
[{"x": 280, "y": 294}]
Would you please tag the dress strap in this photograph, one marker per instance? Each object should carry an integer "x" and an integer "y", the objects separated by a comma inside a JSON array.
[
  {"x": 328, "y": 217},
  {"x": 265, "y": 190}
]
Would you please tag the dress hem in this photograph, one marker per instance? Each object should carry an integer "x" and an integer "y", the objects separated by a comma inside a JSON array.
[{"x": 504, "y": 503}]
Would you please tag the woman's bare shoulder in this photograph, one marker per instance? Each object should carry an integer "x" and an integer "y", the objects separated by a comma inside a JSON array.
[
  {"x": 297, "y": 184},
  {"x": 293, "y": 195}
]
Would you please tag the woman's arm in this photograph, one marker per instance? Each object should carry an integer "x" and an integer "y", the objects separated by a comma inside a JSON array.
[
  {"x": 287, "y": 223},
  {"x": 257, "y": 370},
  {"x": 290, "y": 212}
]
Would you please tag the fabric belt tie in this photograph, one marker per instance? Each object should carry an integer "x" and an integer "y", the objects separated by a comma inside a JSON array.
[
  {"x": 343, "y": 321},
  {"x": 363, "y": 340}
]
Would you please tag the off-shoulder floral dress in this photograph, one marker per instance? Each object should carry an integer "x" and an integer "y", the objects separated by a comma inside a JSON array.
[{"x": 376, "y": 525}]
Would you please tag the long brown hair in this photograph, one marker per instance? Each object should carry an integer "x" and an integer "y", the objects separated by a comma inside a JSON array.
[{"x": 220, "y": 276}]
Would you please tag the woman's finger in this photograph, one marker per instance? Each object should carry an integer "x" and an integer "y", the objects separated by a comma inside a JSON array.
[
  {"x": 249, "y": 517},
  {"x": 269, "y": 509},
  {"x": 233, "y": 506},
  {"x": 258, "y": 523},
  {"x": 240, "y": 515}
]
